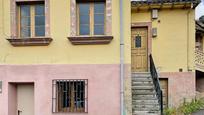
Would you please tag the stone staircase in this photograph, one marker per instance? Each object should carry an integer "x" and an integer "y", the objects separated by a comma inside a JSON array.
[{"x": 144, "y": 99}]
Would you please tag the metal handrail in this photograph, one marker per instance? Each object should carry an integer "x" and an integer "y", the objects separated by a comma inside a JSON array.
[{"x": 156, "y": 83}]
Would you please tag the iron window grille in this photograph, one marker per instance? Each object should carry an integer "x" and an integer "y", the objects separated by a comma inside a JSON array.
[{"x": 70, "y": 96}]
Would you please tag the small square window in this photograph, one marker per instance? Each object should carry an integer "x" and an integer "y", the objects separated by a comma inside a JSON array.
[
  {"x": 70, "y": 96},
  {"x": 138, "y": 41}
]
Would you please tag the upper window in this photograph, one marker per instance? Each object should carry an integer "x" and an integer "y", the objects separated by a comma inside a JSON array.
[
  {"x": 91, "y": 18},
  {"x": 31, "y": 20}
]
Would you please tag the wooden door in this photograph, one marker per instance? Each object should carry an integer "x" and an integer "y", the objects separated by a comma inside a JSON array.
[
  {"x": 139, "y": 46},
  {"x": 164, "y": 87}
]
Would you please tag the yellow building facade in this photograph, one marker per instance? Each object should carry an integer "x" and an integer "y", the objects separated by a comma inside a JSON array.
[{"x": 62, "y": 56}]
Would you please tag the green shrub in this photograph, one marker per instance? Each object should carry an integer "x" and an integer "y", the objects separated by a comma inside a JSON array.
[
  {"x": 189, "y": 107},
  {"x": 170, "y": 111},
  {"x": 186, "y": 108}
]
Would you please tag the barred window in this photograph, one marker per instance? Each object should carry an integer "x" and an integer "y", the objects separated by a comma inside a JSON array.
[{"x": 70, "y": 95}]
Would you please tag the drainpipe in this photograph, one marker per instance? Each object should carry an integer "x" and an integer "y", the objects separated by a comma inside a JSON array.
[
  {"x": 188, "y": 38},
  {"x": 122, "y": 112}
]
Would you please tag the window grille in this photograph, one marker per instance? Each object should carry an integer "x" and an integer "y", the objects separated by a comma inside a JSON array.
[{"x": 70, "y": 95}]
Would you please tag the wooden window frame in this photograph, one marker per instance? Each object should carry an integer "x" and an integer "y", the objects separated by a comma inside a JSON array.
[
  {"x": 32, "y": 21},
  {"x": 15, "y": 39},
  {"x": 57, "y": 105},
  {"x": 77, "y": 39},
  {"x": 91, "y": 19}
]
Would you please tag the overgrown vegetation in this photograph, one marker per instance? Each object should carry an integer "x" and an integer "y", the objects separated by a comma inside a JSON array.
[
  {"x": 170, "y": 111},
  {"x": 186, "y": 108}
]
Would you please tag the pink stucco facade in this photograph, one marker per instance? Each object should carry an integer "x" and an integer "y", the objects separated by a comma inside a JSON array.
[
  {"x": 181, "y": 85},
  {"x": 103, "y": 86}
]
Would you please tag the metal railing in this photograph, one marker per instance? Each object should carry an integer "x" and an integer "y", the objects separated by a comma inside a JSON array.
[{"x": 156, "y": 83}]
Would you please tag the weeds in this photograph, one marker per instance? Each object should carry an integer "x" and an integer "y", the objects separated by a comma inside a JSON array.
[{"x": 186, "y": 108}]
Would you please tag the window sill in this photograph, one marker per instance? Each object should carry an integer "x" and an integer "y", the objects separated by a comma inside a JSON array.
[
  {"x": 43, "y": 41},
  {"x": 90, "y": 40}
]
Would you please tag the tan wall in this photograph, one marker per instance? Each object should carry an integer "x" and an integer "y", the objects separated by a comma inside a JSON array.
[
  {"x": 61, "y": 51},
  {"x": 173, "y": 48}
]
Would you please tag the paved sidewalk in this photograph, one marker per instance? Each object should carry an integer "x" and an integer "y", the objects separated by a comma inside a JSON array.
[{"x": 199, "y": 113}]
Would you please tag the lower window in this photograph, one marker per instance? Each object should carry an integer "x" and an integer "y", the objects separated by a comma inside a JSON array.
[{"x": 70, "y": 96}]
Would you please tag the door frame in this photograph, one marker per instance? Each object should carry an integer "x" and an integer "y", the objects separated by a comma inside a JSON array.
[
  {"x": 148, "y": 25},
  {"x": 12, "y": 96}
]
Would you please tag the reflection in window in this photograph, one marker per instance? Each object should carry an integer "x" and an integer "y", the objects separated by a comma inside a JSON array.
[
  {"x": 84, "y": 18},
  {"x": 39, "y": 20},
  {"x": 31, "y": 20},
  {"x": 99, "y": 9},
  {"x": 25, "y": 20},
  {"x": 138, "y": 41},
  {"x": 91, "y": 18}
]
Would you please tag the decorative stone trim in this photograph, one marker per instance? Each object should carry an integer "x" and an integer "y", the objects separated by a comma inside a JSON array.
[
  {"x": 14, "y": 30},
  {"x": 30, "y": 41},
  {"x": 87, "y": 40},
  {"x": 108, "y": 23}
]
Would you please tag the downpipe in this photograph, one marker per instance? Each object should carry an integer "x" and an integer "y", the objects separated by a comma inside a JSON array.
[{"x": 122, "y": 110}]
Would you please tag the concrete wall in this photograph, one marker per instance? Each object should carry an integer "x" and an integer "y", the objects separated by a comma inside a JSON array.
[
  {"x": 174, "y": 46},
  {"x": 62, "y": 60},
  {"x": 103, "y": 89},
  {"x": 65, "y": 52},
  {"x": 181, "y": 85},
  {"x": 173, "y": 49}
]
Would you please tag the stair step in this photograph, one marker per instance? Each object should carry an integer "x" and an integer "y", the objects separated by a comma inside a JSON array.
[
  {"x": 146, "y": 113},
  {"x": 145, "y": 96},
  {"x": 143, "y": 92},
  {"x": 147, "y": 108},
  {"x": 141, "y": 74},
  {"x": 142, "y": 79},
  {"x": 142, "y": 87},
  {"x": 155, "y": 107},
  {"x": 143, "y": 83},
  {"x": 147, "y": 102},
  {"x": 144, "y": 99}
]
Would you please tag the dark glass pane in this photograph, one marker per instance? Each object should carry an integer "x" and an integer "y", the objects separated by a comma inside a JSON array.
[
  {"x": 40, "y": 31},
  {"x": 98, "y": 30},
  {"x": 138, "y": 41},
  {"x": 39, "y": 10},
  {"x": 98, "y": 19},
  {"x": 25, "y": 10},
  {"x": 99, "y": 7},
  {"x": 84, "y": 19},
  {"x": 84, "y": 8},
  {"x": 39, "y": 20},
  {"x": 25, "y": 32},
  {"x": 25, "y": 21},
  {"x": 84, "y": 30}
]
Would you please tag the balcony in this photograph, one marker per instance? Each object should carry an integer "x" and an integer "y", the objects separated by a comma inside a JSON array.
[{"x": 199, "y": 60}]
